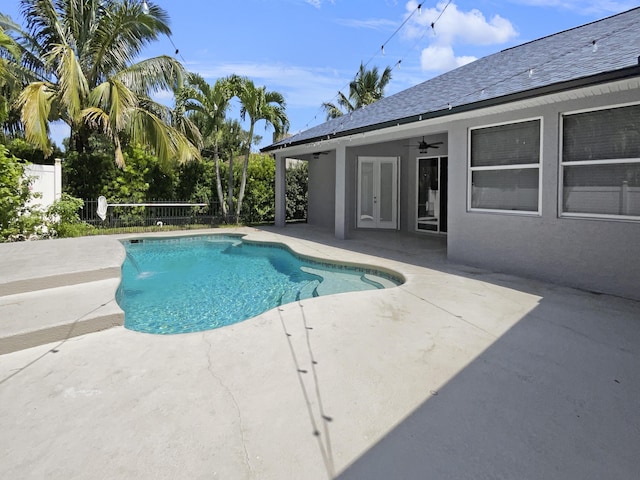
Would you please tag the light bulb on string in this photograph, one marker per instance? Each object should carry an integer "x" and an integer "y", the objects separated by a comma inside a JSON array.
[{"x": 145, "y": 7}]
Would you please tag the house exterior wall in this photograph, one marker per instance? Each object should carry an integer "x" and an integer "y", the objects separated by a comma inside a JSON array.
[
  {"x": 594, "y": 254},
  {"x": 321, "y": 199}
]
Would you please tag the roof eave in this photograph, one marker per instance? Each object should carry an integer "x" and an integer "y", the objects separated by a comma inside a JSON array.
[{"x": 582, "y": 82}]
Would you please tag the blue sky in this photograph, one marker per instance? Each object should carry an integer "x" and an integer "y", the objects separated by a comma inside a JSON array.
[{"x": 308, "y": 50}]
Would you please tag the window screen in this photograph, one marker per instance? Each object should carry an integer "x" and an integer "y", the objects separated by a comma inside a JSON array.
[
  {"x": 601, "y": 163},
  {"x": 505, "y": 167}
]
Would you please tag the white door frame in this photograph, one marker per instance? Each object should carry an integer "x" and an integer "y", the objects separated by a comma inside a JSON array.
[{"x": 372, "y": 217}]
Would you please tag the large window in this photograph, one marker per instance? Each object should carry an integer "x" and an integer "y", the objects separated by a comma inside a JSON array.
[
  {"x": 600, "y": 166},
  {"x": 504, "y": 167}
]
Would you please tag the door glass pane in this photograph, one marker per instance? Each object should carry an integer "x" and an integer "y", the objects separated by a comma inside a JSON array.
[
  {"x": 386, "y": 192},
  {"x": 428, "y": 208},
  {"x": 366, "y": 192}
]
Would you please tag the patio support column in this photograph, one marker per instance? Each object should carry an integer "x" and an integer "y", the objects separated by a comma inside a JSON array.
[
  {"x": 341, "y": 193},
  {"x": 281, "y": 190}
]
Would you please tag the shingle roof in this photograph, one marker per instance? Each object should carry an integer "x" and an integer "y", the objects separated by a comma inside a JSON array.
[{"x": 551, "y": 60}]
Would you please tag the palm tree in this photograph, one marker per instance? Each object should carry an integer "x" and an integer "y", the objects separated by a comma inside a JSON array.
[
  {"x": 207, "y": 105},
  {"x": 8, "y": 48},
  {"x": 366, "y": 88},
  {"x": 81, "y": 55},
  {"x": 258, "y": 104}
]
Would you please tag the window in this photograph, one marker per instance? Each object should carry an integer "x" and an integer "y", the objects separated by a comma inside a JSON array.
[
  {"x": 600, "y": 165},
  {"x": 504, "y": 167}
]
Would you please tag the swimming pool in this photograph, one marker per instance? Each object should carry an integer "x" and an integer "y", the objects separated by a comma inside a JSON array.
[{"x": 190, "y": 284}]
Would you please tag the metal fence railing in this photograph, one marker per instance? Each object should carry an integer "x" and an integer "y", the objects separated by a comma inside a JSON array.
[
  {"x": 163, "y": 213},
  {"x": 157, "y": 212}
]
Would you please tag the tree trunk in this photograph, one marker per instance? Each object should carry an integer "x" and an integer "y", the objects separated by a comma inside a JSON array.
[
  {"x": 230, "y": 188},
  {"x": 216, "y": 159},
  {"x": 245, "y": 167}
]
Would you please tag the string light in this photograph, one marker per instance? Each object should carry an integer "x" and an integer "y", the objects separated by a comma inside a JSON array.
[
  {"x": 530, "y": 71},
  {"x": 145, "y": 7},
  {"x": 418, "y": 9}
]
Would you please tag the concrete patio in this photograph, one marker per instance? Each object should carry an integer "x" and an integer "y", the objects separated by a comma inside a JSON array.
[{"x": 459, "y": 373}]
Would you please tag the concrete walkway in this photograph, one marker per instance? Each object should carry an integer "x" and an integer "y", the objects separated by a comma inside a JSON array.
[{"x": 459, "y": 373}]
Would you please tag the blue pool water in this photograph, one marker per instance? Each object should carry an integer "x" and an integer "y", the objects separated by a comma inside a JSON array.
[{"x": 191, "y": 284}]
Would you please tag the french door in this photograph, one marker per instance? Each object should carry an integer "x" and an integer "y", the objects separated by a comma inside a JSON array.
[
  {"x": 378, "y": 192},
  {"x": 432, "y": 194}
]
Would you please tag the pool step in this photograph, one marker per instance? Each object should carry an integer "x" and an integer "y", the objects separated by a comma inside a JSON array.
[
  {"x": 51, "y": 290},
  {"x": 381, "y": 281},
  {"x": 56, "y": 314},
  {"x": 44, "y": 264},
  {"x": 309, "y": 290},
  {"x": 339, "y": 281}
]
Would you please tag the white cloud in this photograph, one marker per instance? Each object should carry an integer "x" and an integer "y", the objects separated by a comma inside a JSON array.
[
  {"x": 163, "y": 96},
  {"x": 301, "y": 86},
  {"x": 372, "y": 23},
  {"x": 445, "y": 26},
  {"x": 457, "y": 27},
  {"x": 318, "y": 3},
  {"x": 441, "y": 58}
]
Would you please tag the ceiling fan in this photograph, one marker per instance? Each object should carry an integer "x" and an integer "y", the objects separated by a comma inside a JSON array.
[
  {"x": 424, "y": 146},
  {"x": 316, "y": 155}
]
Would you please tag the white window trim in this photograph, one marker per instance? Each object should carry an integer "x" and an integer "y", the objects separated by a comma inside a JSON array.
[
  {"x": 589, "y": 216},
  {"x": 470, "y": 170}
]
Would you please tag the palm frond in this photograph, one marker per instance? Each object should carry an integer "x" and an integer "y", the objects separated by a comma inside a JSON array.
[
  {"x": 167, "y": 142},
  {"x": 73, "y": 88},
  {"x": 9, "y": 45},
  {"x": 35, "y": 104},
  {"x": 332, "y": 110},
  {"x": 121, "y": 34},
  {"x": 42, "y": 22},
  {"x": 97, "y": 119},
  {"x": 32, "y": 64},
  {"x": 116, "y": 99},
  {"x": 153, "y": 74}
]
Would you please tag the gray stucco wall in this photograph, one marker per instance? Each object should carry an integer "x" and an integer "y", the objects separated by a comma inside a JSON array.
[
  {"x": 593, "y": 254},
  {"x": 321, "y": 197}
]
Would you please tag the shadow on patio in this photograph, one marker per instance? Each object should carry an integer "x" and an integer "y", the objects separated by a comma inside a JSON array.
[{"x": 553, "y": 396}]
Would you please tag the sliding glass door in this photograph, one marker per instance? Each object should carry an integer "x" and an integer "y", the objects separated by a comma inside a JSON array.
[{"x": 432, "y": 194}]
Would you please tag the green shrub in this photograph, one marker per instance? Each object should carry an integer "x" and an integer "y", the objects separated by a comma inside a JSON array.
[
  {"x": 64, "y": 219},
  {"x": 17, "y": 217}
]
